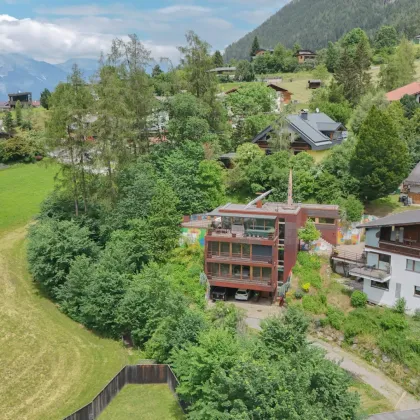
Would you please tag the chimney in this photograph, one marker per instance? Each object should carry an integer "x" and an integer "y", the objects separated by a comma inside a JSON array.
[
  {"x": 259, "y": 204},
  {"x": 290, "y": 190},
  {"x": 304, "y": 115}
]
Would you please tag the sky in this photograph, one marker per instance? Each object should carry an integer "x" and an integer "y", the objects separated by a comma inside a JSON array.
[{"x": 56, "y": 30}]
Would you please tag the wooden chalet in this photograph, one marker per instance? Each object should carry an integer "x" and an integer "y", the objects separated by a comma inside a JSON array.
[
  {"x": 411, "y": 186},
  {"x": 308, "y": 131},
  {"x": 305, "y": 55}
]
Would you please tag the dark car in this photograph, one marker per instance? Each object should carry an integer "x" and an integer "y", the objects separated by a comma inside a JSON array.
[{"x": 218, "y": 293}]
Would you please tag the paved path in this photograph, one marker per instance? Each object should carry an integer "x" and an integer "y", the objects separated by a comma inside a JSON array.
[{"x": 397, "y": 396}]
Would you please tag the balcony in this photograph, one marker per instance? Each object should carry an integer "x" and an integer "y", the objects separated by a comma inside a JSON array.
[
  {"x": 226, "y": 256},
  {"x": 371, "y": 273},
  {"x": 265, "y": 283},
  {"x": 408, "y": 247},
  {"x": 259, "y": 234}
]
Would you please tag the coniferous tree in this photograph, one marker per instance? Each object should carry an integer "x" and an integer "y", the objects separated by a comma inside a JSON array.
[
  {"x": 156, "y": 71},
  {"x": 381, "y": 160},
  {"x": 254, "y": 47},
  {"x": 8, "y": 123},
  {"x": 18, "y": 110},
  {"x": 333, "y": 55},
  {"x": 218, "y": 59}
]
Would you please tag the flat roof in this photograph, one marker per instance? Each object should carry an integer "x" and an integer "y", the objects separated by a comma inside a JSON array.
[{"x": 19, "y": 93}]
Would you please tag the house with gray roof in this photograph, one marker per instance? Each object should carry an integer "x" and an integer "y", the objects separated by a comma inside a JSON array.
[
  {"x": 308, "y": 131},
  {"x": 412, "y": 185}
]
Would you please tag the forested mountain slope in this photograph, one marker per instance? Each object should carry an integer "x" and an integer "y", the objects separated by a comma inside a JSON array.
[{"x": 312, "y": 23}]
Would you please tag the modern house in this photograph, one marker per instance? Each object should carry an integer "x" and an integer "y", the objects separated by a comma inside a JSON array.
[
  {"x": 305, "y": 55},
  {"x": 390, "y": 265},
  {"x": 413, "y": 89},
  {"x": 224, "y": 71},
  {"x": 263, "y": 51},
  {"x": 411, "y": 185},
  {"x": 308, "y": 132},
  {"x": 25, "y": 98},
  {"x": 254, "y": 246},
  {"x": 416, "y": 39}
]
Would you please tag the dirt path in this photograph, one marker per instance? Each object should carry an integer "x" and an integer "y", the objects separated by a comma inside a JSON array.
[{"x": 49, "y": 365}]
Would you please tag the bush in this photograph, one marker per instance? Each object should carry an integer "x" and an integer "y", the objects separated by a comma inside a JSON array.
[
  {"x": 306, "y": 287},
  {"x": 335, "y": 317},
  {"x": 298, "y": 294},
  {"x": 393, "y": 321},
  {"x": 362, "y": 321},
  {"x": 416, "y": 315},
  {"x": 358, "y": 299},
  {"x": 315, "y": 304},
  {"x": 400, "y": 306}
]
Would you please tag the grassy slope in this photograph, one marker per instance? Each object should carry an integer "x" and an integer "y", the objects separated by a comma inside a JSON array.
[
  {"x": 145, "y": 402},
  {"x": 22, "y": 188},
  {"x": 372, "y": 401},
  {"x": 49, "y": 365}
]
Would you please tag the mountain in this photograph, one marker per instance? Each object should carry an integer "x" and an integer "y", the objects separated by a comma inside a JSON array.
[
  {"x": 21, "y": 73},
  {"x": 312, "y": 23},
  {"x": 87, "y": 65}
]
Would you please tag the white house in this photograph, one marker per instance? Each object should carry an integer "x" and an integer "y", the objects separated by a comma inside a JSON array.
[{"x": 390, "y": 268}]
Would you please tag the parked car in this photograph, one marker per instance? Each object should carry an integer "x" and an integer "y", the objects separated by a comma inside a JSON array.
[
  {"x": 218, "y": 293},
  {"x": 243, "y": 294}
]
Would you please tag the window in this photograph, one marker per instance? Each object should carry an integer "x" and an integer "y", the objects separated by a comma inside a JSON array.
[
  {"x": 385, "y": 258},
  {"x": 379, "y": 285},
  {"x": 326, "y": 221},
  {"x": 417, "y": 291},
  {"x": 413, "y": 265}
]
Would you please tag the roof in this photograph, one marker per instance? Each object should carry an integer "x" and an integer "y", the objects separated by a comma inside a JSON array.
[
  {"x": 414, "y": 177},
  {"x": 314, "y": 81},
  {"x": 19, "y": 93},
  {"x": 409, "y": 217},
  {"x": 228, "y": 156},
  {"x": 222, "y": 69},
  {"x": 309, "y": 129},
  {"x": 397, "y": 94},
  {"x": 305, "y": 52}
]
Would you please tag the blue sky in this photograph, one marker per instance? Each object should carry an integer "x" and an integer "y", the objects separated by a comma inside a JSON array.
[{"x": 57, "y": 30}]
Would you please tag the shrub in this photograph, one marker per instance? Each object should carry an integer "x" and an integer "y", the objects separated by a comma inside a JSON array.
[
  {"x": 416, "y": 315},
  {"x": 393, "y": 321},
  {"x": 314, "y": 303},
  {"x": 298, "y": 294},
  {"x": 309, "y": 261},
  {"x": 358, "y": 299},
  {"x": 362, "y": 321},
  {"x": 306, "y": 287},
  {"x": 400, "y": 306},
  {"x": 335, "y": 317}
]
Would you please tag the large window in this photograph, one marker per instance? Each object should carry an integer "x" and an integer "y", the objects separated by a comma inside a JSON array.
[
  {"x": 413, "y": 265},
  {"x": 379, "y": 285},
  {"x": 417, "y": 291},
  {"x": 326, "y": 221},
  {"x": 385, "y": 258}
]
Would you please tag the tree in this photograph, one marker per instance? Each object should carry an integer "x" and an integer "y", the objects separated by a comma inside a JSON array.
[
  {"x": 218, "y": 59},
  {"x": 320, "y": 72},
  {"x": 45, "y": 97},
  {"x": 210, "y": 182},
  {"x": 309, "y": 232},
  {"x": 351, "y": 209},
  {"x": 18, "y": 110},
  {"x": 254, "y": 47},
  {"x": 386, "y": 37},
  {"x": 156, "y": 71},
  {"x": 8, "y": 123},
  {"x": 333, "y": 55},
  {"x": 244, "y": 71},
  {"x": 251, "y": 99},
  {"x": 400, "y": 69},
  {"x": 381, "y": 160},
  {"x": 410, "y": 105},
  {"x": 52, "y": 247}
]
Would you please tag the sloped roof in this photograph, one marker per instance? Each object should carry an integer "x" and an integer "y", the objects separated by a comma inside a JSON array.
[
  {"x": 397, "y": 94},
  {"x": 309, "y": 129},
  {"x": 414, "y": 177},
  {"x": 222, "y": 69},
  {"x": 408, "y": 217}
]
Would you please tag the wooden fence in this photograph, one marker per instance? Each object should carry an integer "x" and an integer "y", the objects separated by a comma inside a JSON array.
[{"x": 139, "y": 374}]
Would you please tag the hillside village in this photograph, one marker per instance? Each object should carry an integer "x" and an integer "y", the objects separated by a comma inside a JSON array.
[{"x": 216, "y": 235}]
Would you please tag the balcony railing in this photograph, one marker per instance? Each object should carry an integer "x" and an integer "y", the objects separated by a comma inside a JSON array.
[
  {"x": 248, "y": 234},
  {"x": 239, "y": 257},
  {"x": 260, "y": 281},
  {"x": 371, "y": 272},
  {"x": 408, "y": 247}
]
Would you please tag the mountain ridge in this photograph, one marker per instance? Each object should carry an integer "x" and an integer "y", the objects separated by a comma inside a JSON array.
[{"x": 313, "y": 23}]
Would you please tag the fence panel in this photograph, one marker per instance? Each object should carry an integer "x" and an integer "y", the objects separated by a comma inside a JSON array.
[{"x": 139, "y": 374}]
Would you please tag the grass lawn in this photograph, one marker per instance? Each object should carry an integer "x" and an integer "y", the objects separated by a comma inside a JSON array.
[
  {"x": 387, "y": 205},
  {"x": 22, "y": 189},
  {"x": 371, "y": 400},
  {"x": 50, "y": 366},
  {"x": 145, "y": 402}
]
